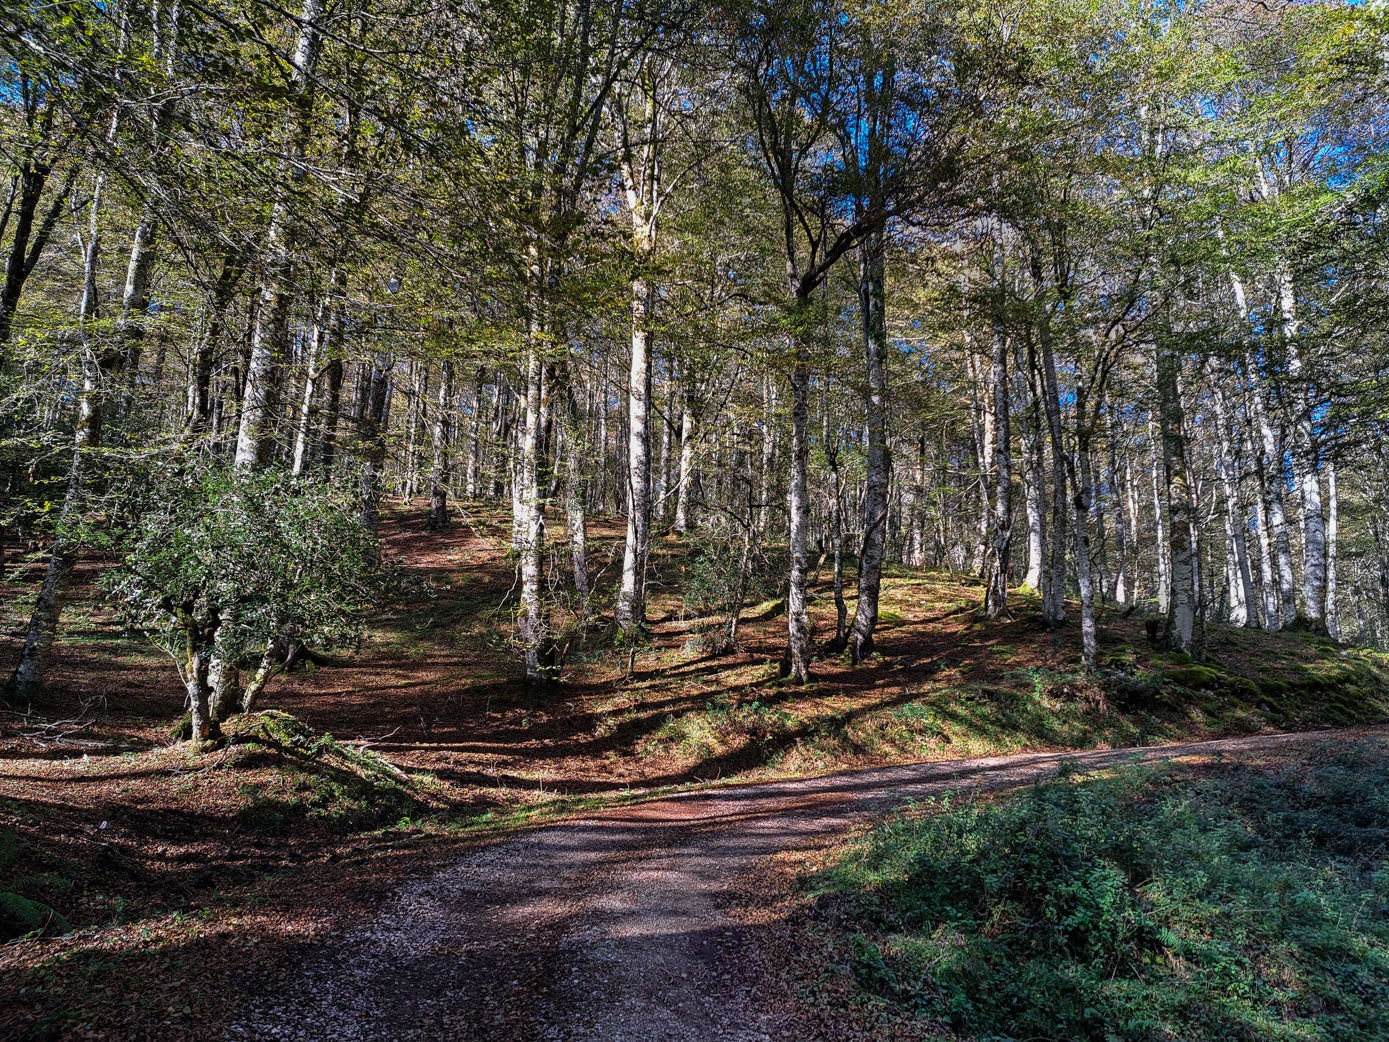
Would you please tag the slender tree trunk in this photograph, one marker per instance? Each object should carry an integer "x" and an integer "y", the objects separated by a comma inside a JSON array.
[
  {"x": 439, "y": 464},
  {"x": 631, "y": 598},
  {"x": 1123, "y": 589},
  {"x": 1181, "y": 618},
  {"x": 798, "y": 643},
  {"x": 764, "y": 488},
  {"x": 1305, "y": 466},
  {"x": 1001, "y": 524},
  {"x": 1162, "y": 548},
  {"x": 308, "y": 400},
  {"x": 1054, "y": 578},
  {"x": 687, "y": 461},
  {"x": 528, "y": 508},
  {"x": 1034, "y": 481},
  {"x": 1080, "y": 516},
  {"x": 836, "y": 520},
  {"x": 1333, "y": 528},
  {"x": 473, "y": 479},
  {"x": 1269, "y": 467},
  {"x": 269, "y": 339},
  {"x": 1243, "y": 602},
  {"x": 873, "y": 308},
  {"x": 373, "y": 428}
]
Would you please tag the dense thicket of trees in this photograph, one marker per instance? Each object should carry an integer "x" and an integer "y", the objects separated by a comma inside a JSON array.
[{"x": 1082, "y": 295}]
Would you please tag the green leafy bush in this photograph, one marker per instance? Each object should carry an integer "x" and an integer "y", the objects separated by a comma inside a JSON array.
[
  {"x": 261, "y": 552},
  {"x": 711, "y": 575},
  {"x": 1141, "y": 906}
]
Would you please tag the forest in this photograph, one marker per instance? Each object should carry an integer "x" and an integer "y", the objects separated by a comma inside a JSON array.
[{"x": 406, "y": 406}]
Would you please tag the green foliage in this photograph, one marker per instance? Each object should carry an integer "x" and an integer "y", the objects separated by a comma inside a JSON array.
[
  {"x": 22, "y": 915},
  {"x": 1140, "y": 906},
  {"x": 711, "y": 576},
  {"x": 247, "y": 556}
]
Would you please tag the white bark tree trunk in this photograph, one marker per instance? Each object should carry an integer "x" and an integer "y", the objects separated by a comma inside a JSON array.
[
  {"x": 631, "y": 598},
  {"x": 265, "y": 368},
  {"x": 1001, "y": 523},
  {"x": 687, "y": 462},
  {"x": 798, "y": 643}
]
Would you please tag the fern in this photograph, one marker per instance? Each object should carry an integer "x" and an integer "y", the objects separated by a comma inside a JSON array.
[{"x": 21, "y": 917}]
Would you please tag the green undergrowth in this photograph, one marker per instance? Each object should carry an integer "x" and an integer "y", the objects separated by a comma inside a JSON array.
[
  {"x": 1224, "y": 903},
  {"x": 1137, "y": 695},
  {"x": 320, "y": 779}
]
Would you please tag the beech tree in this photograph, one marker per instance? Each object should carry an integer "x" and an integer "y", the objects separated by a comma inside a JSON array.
[{"x": 1085, "y": 299}]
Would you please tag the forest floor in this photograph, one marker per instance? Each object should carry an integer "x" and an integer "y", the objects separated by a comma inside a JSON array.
[{"x": 194, "y": 883}]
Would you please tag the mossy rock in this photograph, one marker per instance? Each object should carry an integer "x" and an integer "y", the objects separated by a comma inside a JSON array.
[{"x": 1197, "y": 678}]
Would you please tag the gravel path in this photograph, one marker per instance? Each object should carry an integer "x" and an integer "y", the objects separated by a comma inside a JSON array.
[{"x": 612, "y": 927}]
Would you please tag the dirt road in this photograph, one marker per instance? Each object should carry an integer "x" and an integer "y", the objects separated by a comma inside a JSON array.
[{"x": 613, "y": 927}]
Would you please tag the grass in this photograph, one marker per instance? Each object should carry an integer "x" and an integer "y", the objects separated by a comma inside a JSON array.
[{"x": 1148, "y": 903}]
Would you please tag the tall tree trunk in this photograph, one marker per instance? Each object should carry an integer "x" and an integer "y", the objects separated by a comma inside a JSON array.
[
  {"x": 1162, "y": 547},
  {"x": 373, "y": 433},
  {"x": 1123, "y": 588},
  {"x": 473, "y": 480},
  {"x": 1181, "y": 618},
  {"x": 873, "y": 309},
  {"x": 1243, "y": 602},
  {"x": 308, "y": 399},
  {"x": 101, "y": 363},
  {"x": 576, "y": 499},
  {"x": 836, "y": 521},
  {"x": 631, "y": 598},
  {"x": 1001, "y": 523},
  {"x": 1305, "y": 465},
  {"x": 798, "y": 642},
  {"x": 1054, "y": 577},
  {"x": 1269, "y": 467},
  {"x": 265, "y": 367},
  {"x": 1333, "y": 527},
  {"x": 1034, "y": 482},
  {"x": 1083, "y": 487},
  {"x": 764, "y": 486},
  {"x": 439, "y": 462},
  {"x": 687, "y": 460},
  {"x": 528, "y": 528}
]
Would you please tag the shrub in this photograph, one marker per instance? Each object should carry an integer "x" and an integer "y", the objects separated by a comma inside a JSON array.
[{"x": 1141, "y": 906}]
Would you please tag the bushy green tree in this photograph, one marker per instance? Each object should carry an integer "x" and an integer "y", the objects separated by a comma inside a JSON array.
[{"x": 240, "y": 565}]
